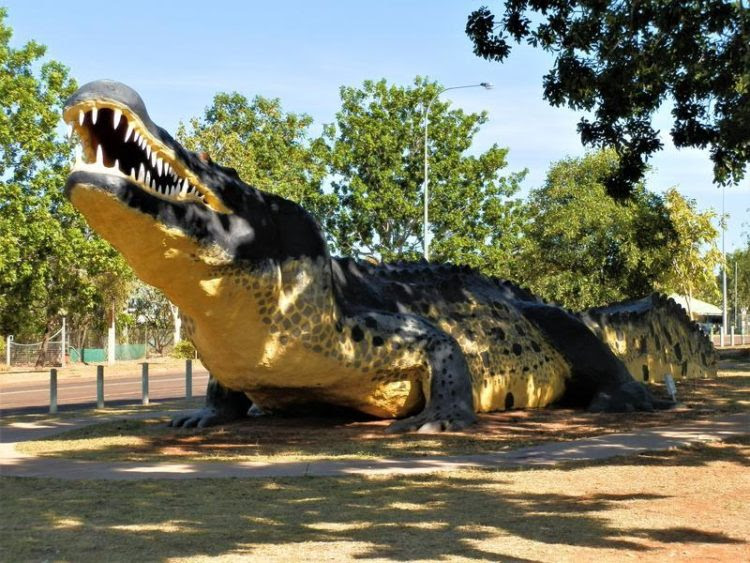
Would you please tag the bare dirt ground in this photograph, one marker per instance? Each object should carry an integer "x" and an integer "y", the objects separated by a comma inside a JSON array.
[
  {"x": 690, "y": 504},
  {"x": 278, "y": 438},
  {"x": 686, "y": 504}
]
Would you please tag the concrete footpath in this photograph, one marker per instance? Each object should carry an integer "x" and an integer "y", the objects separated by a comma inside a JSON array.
[{"x": 14, "y": 463}]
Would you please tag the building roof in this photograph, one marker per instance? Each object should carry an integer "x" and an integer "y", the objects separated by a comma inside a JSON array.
[{"x": 698, "y": 307}]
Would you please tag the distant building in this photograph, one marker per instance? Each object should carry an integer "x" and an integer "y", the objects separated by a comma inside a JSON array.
[{"x": 703, "y": 313}]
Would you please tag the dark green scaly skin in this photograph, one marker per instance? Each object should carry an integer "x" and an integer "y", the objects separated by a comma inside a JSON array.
[{"x": 430, "y": 344}]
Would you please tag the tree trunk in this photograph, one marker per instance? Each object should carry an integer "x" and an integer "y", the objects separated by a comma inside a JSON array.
[
  {"x": 177, "y": 321},
  {"x": 41, "y": 359}
]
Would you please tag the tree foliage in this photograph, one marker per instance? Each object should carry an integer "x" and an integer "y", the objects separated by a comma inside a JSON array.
[
  {"x": 741, "y": 258},
  {"x": 693, "y": 250},
  {"x": 377, "y": 159},
  {"x": 619, "y": 62},
  {"x": 152, "y": 312},
  {"x": 270, "y": 149},
  {"x": 50, "y": 261},
  {"x": 582, "y": 248}
]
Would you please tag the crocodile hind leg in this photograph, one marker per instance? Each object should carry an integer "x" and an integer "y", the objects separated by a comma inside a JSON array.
[
  {"x": 449, "y": 404},
  {"x": 222, "y": 405},
  {"x": 599, "y": 380}
]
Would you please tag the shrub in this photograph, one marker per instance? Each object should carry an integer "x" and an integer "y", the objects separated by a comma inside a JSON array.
[{"x": 184, "y": 349}]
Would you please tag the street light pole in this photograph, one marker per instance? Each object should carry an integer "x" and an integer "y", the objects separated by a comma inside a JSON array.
[
  {"x": 426, "y": 180},
  {"x": 723, "y": 272}
]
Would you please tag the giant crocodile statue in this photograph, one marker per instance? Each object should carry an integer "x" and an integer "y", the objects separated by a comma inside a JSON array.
[{"x": 280, "y": 324}]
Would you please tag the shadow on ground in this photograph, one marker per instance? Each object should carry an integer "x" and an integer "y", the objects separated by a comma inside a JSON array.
[
  {"x": 284, "y": 438},
  {"x": 644, "y": 505},
  {"x": 473, "y": 515}
]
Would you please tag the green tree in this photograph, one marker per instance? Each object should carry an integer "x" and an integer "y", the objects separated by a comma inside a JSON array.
[
  {"x": 582, "y": 247},
  {"x": 377, "y": 155},
  {"x": 270, "y": 149},
  {"x": 152, "y": 311},
  {"x": 741, "y": 258},
  {"x": 620, "y": 61},
  {"x": 693, "y": 250},
  {"x": 50, "y": 261}
]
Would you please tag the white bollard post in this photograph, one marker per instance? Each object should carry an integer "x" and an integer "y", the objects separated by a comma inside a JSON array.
[
  {"x": 188, "y": 379},
  {"x": 8, "y": 343},
  {"x": 144, "y": 383},
  {"x": 99, "y": 387},
  {"x": 53, "y": 391}
]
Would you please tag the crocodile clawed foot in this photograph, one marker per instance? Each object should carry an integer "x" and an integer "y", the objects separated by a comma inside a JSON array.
[
  {"x": 432, "y": 422},
  {"x": 202, "y": 418},
  {"x": 627, "y": 397}
]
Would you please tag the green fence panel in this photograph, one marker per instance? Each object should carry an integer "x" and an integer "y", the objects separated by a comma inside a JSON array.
[
  {"x": 130, "y": 351},
  {"x": 95, "y": 355}
]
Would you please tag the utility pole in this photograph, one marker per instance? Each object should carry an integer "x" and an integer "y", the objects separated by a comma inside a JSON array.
[
  {"x": 736, "y": 324},
  {"x": 426, "y": 180},
  {"x": 723, "y": 271},
  {"x": 111, "y": 339}
]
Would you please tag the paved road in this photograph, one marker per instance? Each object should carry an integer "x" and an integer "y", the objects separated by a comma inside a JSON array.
[{"x": 23, "y": 391}]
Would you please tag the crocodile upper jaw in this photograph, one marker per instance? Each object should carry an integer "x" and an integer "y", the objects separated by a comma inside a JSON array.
[{"x": 119, "y": 139}]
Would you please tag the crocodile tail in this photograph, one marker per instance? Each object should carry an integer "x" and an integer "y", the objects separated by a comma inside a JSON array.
[{"x": 654, "y": 337}]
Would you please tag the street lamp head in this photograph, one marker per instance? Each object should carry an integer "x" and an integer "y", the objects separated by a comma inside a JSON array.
[{"x": 487, "y": 85}]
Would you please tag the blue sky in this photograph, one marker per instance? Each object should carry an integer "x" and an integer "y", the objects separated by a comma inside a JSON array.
[{"x": 179, "y": 54}]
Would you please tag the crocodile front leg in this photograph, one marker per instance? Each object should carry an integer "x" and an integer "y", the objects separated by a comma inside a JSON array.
[
  {"x": 449, "y": 402},
  {"x": 222, "y": 405}
]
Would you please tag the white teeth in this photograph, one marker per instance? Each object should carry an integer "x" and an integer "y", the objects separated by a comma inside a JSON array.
[
  {"x": 99, "y": 155},
  {"x": 154, "y": 158},
  {"x": 117, "y": 164},
  {"x": 136, "y": 137},
  {"x": 70, "y": 130},
  {"x": 185, "y": 185},
  {"x": 81, "y": 117},
  {"x": 132, "y": 173},
  {"x": 159, "y": 166},
  {"x": 128, "y": 131},
  {"x": 141, "y": 173},
  {"x": 94, "y": 115},
  {"x": 148, "y": 154},
  {"x": 148, "y": 177},
  {"x": 116, "y": 118}
]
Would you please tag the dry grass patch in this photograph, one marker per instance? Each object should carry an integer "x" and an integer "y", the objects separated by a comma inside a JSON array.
[
  {"x": 43, "y": 418},
  {"x": 309, "y": 438},
  {"x": 691, "y": 504}
]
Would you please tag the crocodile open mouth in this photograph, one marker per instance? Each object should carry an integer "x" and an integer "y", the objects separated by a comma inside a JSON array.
[{"x": 115, "y": 141}]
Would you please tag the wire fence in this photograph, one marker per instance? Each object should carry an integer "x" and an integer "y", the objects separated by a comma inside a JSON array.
[
  {"x": 29, "y": 354},
  {"x": 25, "y": 354}
]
